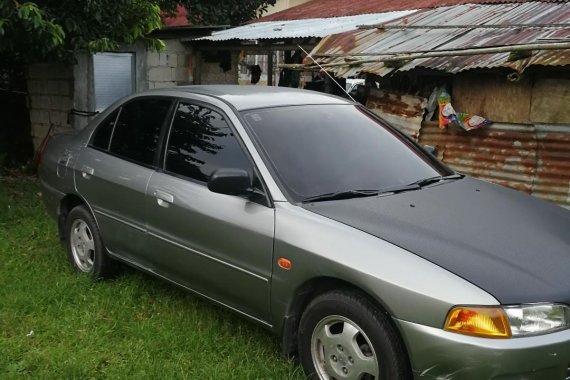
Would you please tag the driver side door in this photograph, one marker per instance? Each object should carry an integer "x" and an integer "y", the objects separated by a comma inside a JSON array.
[{"x": 217, "y": 245}]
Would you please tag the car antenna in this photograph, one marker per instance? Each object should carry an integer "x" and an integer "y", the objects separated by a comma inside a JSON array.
[{"x": 326, "y": 72}]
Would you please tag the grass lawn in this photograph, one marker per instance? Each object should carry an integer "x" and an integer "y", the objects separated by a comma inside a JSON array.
[{"x": 55, "y": 324}]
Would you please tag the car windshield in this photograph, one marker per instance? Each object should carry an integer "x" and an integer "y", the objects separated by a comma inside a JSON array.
[{"x": 319, "y": 150}]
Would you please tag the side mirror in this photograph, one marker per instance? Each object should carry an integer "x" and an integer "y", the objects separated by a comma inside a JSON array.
[
  {"x": 230, "y": 182},
  {"x": 431, "y": 149}
]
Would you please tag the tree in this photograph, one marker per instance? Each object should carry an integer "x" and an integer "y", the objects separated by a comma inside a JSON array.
[
  {"x": 56, "y": 29},
  {"x": 225, "y": 12}
]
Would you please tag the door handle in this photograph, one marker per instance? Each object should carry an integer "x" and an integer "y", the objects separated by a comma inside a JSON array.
[
  {"x": 87, "y": 171},
  {"x": 63, "y": 160},
  {"x": 163, "y": 198}
]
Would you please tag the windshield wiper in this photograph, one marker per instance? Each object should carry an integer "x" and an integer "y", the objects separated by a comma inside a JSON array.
[
  {"x": 348, "y": 194},
  {"x": 428, "y": 181},
  {"x": 419, "y": 184}
]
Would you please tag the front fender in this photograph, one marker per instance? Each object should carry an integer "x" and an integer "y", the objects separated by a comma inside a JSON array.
[{"x": 407, "y": 286}]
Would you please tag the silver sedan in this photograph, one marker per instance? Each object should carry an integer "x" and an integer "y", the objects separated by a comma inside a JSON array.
[{"x": 309, "y": 215}]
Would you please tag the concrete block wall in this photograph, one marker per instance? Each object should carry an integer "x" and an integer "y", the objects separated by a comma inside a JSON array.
[
  {"x": 50, "y": 97},
  {"x": 54, "y": 89},
  {"x": 170, "y": 67}
]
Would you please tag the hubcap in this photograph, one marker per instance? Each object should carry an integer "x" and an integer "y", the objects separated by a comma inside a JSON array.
[
  {"x": 82, "y": 245},
  {"x": 341, "y": 350}
]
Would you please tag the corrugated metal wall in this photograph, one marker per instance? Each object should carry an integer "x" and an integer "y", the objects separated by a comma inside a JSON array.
[{"x": 530, "y": 158}]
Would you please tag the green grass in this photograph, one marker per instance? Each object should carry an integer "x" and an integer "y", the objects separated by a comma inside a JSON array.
[{"x": 55, "y": 324}]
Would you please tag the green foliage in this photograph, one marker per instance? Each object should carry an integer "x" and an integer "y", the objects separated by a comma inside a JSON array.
[
  {"x": 55, "y": 29},
  {"x": 225, "y": 12},
  {"x": 55, "y": 324},
  {"x": 18, "y": 21}
]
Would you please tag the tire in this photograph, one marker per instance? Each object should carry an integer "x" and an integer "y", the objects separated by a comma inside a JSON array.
[
  {"x": 85, "y": 250},
  {"x": 342, "y": 335}
]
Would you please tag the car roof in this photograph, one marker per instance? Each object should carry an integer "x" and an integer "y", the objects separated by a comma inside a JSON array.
[{"x": 244, "y": 97}]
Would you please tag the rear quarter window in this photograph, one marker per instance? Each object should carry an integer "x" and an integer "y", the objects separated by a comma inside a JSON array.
[
  {"x": 137, "y": 131},
  {"x": 102, "y": 136}
]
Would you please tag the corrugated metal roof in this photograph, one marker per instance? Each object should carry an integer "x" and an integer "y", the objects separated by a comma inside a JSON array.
[
  {"x": 316, "y": 27},
  {"x": 389, "y": 41},
  {"x": 338, "y": 8}
]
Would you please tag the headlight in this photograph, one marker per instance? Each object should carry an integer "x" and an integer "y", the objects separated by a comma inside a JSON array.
[
  {"x": 508, "y": 321},
  {"x": 537, "y": 318}
]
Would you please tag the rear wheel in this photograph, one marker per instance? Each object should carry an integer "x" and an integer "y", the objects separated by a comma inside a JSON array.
[
  {"x": 342, "y": 335},
  {"x": 85, "y": 249}
]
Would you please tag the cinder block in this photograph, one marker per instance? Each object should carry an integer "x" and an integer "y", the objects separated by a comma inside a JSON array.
[
  {"x": 63, "y": 87},
  {"x": 153, "y": 74},
  {"x": 174, "y": 46},
  {"x": 44, "y": 117},
  {"x": 163, "y": 60},
  {"x": 60, "y": 71},
  {"x": 161, "y": 74},
  {"x": 45, "y": 102},
  {"x": 40, "y": 130},
  {"x": 38, "y": 71},
  {"x": 35, "y": 101},
  {"x": 156, "y": 74},
  {"x": 61, "y": 103},
  {"x": 179, "y": 74},
  {"x": 182, "y": 59},
  {"x": 153, "y": 59},
  {"x": 35, "y": 116},
  {"x": 58, "y": 117},
  {"x": 34, "y": 86},
  {"x": 173, "y": 60},
  {"x": 164, "y": 84},
  {"x": 51, "y": 87}
]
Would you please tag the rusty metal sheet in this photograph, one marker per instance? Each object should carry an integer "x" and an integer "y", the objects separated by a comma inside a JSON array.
[
  {"x": 552, "y": 180},
  {"x": 335, "y": 8},
  {"x": 531, "y": 158},
  {"x": 403, "y": 111},
  {"x": 358, "y": 44}
]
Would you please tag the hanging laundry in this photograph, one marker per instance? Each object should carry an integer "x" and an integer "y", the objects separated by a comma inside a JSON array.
[{"x": 448, "y": 115}]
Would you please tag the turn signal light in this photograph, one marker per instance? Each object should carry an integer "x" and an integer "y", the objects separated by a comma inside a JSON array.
[
  {"x": 487, "y": 322},
  {"x": 284, "y": 263}
]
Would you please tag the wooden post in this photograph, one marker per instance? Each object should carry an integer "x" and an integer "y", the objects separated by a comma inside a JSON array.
[{"x": 270, "y": 68}]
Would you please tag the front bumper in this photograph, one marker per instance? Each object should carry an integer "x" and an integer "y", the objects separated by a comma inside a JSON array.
[{"x": 438, "y": 354}]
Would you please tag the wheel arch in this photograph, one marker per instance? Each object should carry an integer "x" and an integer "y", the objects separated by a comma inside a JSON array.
[
  {"x": 68, "y": 203},
  {"x": 307, "y": 292}
]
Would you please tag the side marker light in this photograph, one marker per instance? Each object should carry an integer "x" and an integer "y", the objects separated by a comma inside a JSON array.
[{"x": 284, "y": 263}]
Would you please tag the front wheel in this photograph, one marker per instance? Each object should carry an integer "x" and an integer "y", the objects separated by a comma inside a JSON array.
[
  {"x": 342, "y": 335},
  {"x": 85, "y": 250}
]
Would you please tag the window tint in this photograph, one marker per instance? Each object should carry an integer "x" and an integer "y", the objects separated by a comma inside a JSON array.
[
  {"x": 102, "y": 134},
  {"x": 333, "y": 148},
  {"x": 138, "y": 129},
  {"x": 201, "y": 142}
]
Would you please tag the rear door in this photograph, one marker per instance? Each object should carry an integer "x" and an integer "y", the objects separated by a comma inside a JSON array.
[
  {"x": 218, "y": 245},
  {"x": 113, "y": 172}
]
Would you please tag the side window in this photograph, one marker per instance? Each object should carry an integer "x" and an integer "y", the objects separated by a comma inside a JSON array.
[
  {"x": 137, "y": 131},
  {"x": 201, "y": 142},
  {"x": 102, "y": 134}
]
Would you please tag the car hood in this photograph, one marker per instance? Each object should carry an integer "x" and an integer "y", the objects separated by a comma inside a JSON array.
[{"x": 511, "y": 245}]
